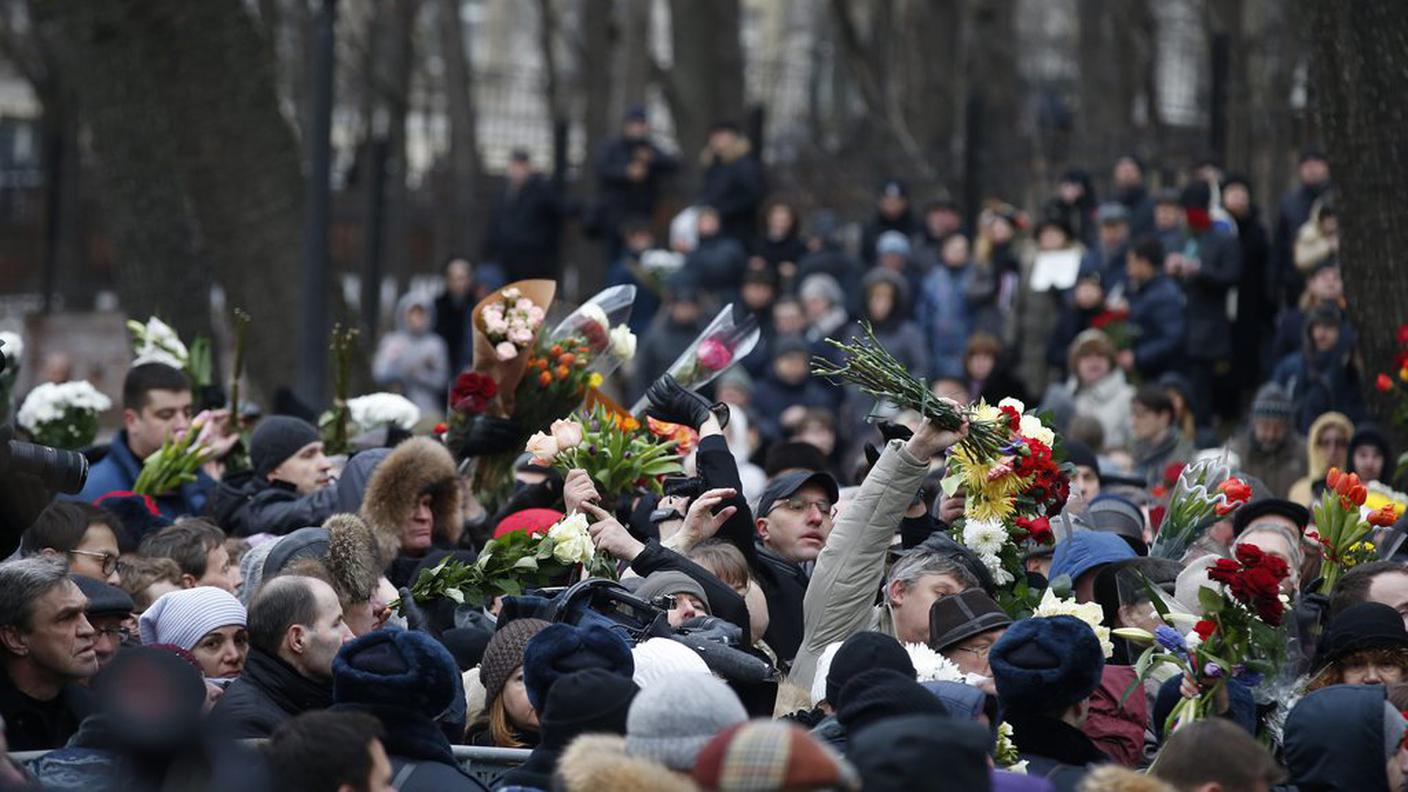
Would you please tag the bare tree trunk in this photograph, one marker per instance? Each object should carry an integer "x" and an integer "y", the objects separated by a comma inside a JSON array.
[
  {"x": 992, "y": 66},
  {"x": 1360, "y": 49},
  {"x": 598, "y": 37},
  {"x": 394, "y": 83},
  {"x": 464, "y": 171},
  {"x": 706, "y": 83},
  {"x": 633, "y": 54}
]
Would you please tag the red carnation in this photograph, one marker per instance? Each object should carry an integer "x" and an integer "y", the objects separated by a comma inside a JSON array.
[
  {"x": 1014, "y": 418},
  {"x": 1038, "y": 529}
]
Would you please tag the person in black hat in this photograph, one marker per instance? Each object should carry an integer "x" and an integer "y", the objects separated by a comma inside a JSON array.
[
  {"x": 874, "y": 695},
  {"x": 1270, "y": 448},
  {"x": 892, "y": 213},
  {"x": 1045, "y": 670},
  {"x": 1366, "y": 644},
  {"x": 584, "y": 702},
  {"x": 732, "y": 182},
  {"x": 1086, "y": 481},
  {"x": 964, "y": 628},
  {"x": 110, "y": 612},
  {"x": 289, "y": 485}
]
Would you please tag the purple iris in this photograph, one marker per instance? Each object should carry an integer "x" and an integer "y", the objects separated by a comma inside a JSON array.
[
  {"x": 1169, "y": 639},
  {"x": 1212, "y": 670}
]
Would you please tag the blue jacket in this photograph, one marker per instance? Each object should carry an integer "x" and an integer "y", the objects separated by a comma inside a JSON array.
[
  {"x": 945, "y": 317},
  {"x": 1156, "y": 308},
  {"x": 119, "y": 470}
]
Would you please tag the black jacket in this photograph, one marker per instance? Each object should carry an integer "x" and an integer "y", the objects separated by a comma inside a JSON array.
[
  {"x": 244, "y": 505},
  {"x": 452, "y": 324},
  {"x": 268, "y": 692},
  {"x": 620, "y": 198},
  {"x": 33, "y": 725},
  {"x": 525, "y": 229},
  {"x": 724, "y": 602},
  {"x": 906, "y": 224},
  {"x": 1334, "y": 740},
  {"x": 734, "y": 186},
  {"x": 1209, "y": 331},
  {"x": 421, "y": 759},
  {"x": 1054, "y": 749}
]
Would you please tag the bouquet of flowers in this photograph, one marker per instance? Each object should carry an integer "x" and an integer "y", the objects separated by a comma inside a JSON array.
[
  {"x": 1088, "y": 612},
  {"x": 1117, "y": 327},
  {"x": 505, "y": 324},
  {"x": 613, "y": 448},
  {"x": 1397, "y": 387},
  {"x": 12, "y": 347},
  {"x": 62, "y": 415},
  {"x": 1342, "y": 527},
  {"x": 1205, "y": 493},
  {"x": 178, "y": 459},
  {"x": 157, "y": 342},
  {"x": 1237, "y": 636},
  {"x": 721, "y": 343},
  {"x": 1011, "y": 496},
  {"x": 514, "y": 562},
  {"x": 376, "y": 410}
]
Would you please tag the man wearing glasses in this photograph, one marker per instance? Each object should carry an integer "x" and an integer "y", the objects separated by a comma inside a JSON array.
[{"x": 110, "y": 612}]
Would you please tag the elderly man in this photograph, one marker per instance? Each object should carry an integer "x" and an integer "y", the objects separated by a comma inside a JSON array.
[{"x": 47, "y": 647}]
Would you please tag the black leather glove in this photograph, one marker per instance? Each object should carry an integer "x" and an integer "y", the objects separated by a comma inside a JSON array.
[
  {"x": 485, "y": 436},
  {"x": 673, "y": 403}
]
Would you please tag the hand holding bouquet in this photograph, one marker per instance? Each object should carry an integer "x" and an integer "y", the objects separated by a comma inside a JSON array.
[
  {"x": 179, "y": 457},
  {"x": 614, "y": 449},
  {"x": 62, "y": 415},
  {"x": 721, "y": 344}
]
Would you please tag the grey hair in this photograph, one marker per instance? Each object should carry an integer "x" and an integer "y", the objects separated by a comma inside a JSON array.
[
  {"x": 1293, "y": 541},
  {"x": 920, "y": 562},
  {"x": 24, "y": 581}
]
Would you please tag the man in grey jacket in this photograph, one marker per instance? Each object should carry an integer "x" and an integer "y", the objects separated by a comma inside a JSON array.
[{"x": 851, "y": 566}]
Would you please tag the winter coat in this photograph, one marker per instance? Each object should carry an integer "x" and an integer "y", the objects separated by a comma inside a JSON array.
[
  {"x": 245, "y": 505},
  {"x": 1291, "y": 331},
  {"x": 733, "y": 184},
  {"x": 1220, "y": 269},
  {"x": 1141, "y": 210},
  {"x": 1278, "y": 468},
  {"x": 1312, "y": 245},
  {"x": 1316, "y": 463},
  {"x": 268, "y": 692},
  {"x": 619, "y": 198},
  {"x": 1334, "y": 740},
  {"x": 1150, "y": 459},
  {"x": 772, "y": 397},
  {"x": 1053, "y": 749},
  {"x": 1256, "y": 308},
  {"x": 1116, "y": 723},
  {"x": 1105, "y": 265},
  {"x": 717, "y": 265},
  {"x": 1035, "y": 316},
  {"x": 421, "y": 759},
  {"x": 525, "y": 229},
  {"x": 906, "y": 224},
  {"x": 1157, "y": 309},
  {"x": 851, "y": 567},
  {"x": 778, "y": 251},
  {"x": 453, "y": 327},
  {"x": 118, "y": 471},
  {"x": 1321, "y": 382},
  {"x": 599, "y": 762},
  {"x": 659, "y": 346},
  {"x": 32, "y": 725},
  {"x": 1107, "y": 401},
  {"x": 416, "y": 466},
  {"x": 945, "y": 317},
  {"x": 416, "y": 364}
]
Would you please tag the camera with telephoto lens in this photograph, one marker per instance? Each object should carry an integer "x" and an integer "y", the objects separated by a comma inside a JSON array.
[{"x": 59, "y": 470}]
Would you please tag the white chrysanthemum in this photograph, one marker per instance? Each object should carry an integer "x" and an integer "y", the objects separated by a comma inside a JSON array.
[
  {"x": 1088, "y": 612},
  {"x": 930, "y": 666},
  {"x": 1033, "y": 427},
  {"x": 14, "y": 345},
  {"x": 376, "y": 410},
  {"x": 52, "y": 402},
  {"x": 985, "y": 537},
  {"x": 572, "y": 542},
  {"x": 999, "y": 573}
]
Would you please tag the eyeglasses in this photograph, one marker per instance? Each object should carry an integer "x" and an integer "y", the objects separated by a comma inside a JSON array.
[
  {"x": 121, "y": 633},
  {"x": 801, "y": 505},
  {"x": 109, "y": 560},
  {"x": 978, "y": 652}
]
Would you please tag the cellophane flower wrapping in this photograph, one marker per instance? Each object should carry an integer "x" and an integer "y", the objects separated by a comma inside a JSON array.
[
  {"x": 1239, "y": 633},
  {"x": 514, "y": 562},
  {"x": 63, "y": 414},
  {"x": 1205, "y": 492},
  {"x": 1010, "y": 498},
  {"x": 722, "y": 343}
]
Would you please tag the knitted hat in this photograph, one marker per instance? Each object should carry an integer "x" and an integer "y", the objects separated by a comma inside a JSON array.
[
  {"x": 671, "y": 722},
  {"x": 1272, "y": 401},
  {"x": 184, "y": 617},
  {"x": 880, "y": 693},
  {"x": 505, "y": 653},
  {"x": 924, "y": 752},
  {"x": 563, "y": 648},
  {"x": 529, "y": 521},
  {"x": 103, "y": 599},
  {"x": 1368, "y": 625},
  {"x": 398, "y": 669},
  {"x": 1086, "y": 550},
  {"x": 1046, "y": 664},
  {"x": 137, "y": 513},
  {"x": 771, "y": 755},
  {"x": 668, "y": 582},
  {"x": 960, "y": 617},
  {"x": 861, "y": 652},
  {"x": 661, "y": 658},
  {"x": 252, "y": 568},
  {"x": 277, "y": 438},
  {"x": 594, "y": 701}
]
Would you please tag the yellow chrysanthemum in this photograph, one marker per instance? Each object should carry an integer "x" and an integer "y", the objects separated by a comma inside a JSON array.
[{"x": 594, "y": 379}]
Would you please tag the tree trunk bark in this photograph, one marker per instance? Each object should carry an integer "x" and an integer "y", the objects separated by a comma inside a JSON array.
[
  {"x": 707, "y": 77},
  {"x": 395, "y": 85},
  {"x": 1361, "y": 49},
  {"x": 634, "y": 56},
  {"x": 464, "y": 164}
]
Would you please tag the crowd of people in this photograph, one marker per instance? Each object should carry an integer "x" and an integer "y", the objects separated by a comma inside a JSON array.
[{"x": 793, "y": 613}]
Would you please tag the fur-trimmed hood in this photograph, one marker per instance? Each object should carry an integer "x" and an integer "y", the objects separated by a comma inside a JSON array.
[
  {"x": 598, "y": 761},
  {"x": 416, "y": 466},
  {"x": 353, "y": 557}
]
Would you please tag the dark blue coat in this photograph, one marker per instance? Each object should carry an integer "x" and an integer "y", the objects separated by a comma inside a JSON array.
[
  {"x": 1156, "y": 308},
  {"x": 118, "y": 471}
]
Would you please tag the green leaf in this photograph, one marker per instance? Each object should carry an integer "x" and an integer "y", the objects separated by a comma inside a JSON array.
[
  {"x": 526, "y": 562},
  {"x": 509, "y": 586},
  {"x": 1209, "y": 600},
  {"x": 455, "y": 594}
]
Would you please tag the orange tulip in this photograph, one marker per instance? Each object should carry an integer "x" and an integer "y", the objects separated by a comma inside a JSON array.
[
  {"x": 544, "y": 378},
  {"x": 1358, "y": 494},
  {"x": 1332, "y": 478},
  {"x": 1382, "y": 517},
  {"x": 1343, "y": 486}
]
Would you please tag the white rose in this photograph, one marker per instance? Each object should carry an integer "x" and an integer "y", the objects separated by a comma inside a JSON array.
[
  {"x": 1033, "y": 428},
  {"x": 572, "y": 542},
  {"x": 591, "y": 312},
  {"x": 623, "y": 343},
  {"x": 1014, "y": 404}
]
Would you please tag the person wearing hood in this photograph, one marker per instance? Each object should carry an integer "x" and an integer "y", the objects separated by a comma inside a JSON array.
[
  {"x": 1098, "y": 387},
  {"x": 1370, "y": 455},
  {"x": 412, "y": 359},
  {"x": 1323, "y": 376},
  {"x": 1271, "y": 449},
  {"x": 1325, "y": 286},
  {"x": 1327, "y": 446},
  {"x": 944, "y": 313},
  {"x": 892, "y": 213},
  {"x": 406, "y": 680},
  {"x": 1130, "y": 190},
  {"x": 1346, "y": 738},
  {"x": 732, "y": 181},
  {"x": 1045, "y": 670},
  {"x": 413, "y": 504},
  {"x": 887, "y": 309}
]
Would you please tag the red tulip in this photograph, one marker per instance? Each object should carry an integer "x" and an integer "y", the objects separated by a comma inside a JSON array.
[
  {"x": 1332, "y": 478},
  {"x": 1382, "y": 517},
  {"x": 1358, "y": 494},
  {"x": 1384, "y": 383}
]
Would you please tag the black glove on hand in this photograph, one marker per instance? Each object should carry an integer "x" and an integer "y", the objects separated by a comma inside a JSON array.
[
  {"x": 673, "y": 403},
  {"x": 486, "y": 436},
  {"x": 894, "y": 431}
]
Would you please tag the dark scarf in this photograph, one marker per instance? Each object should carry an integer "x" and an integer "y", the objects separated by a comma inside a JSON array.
[
  {"x": 1049, "y": 738},
  {"x": 282, "y": 683}
]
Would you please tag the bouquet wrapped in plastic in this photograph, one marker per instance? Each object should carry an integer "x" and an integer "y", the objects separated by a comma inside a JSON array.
[
  {"x": 1205, "y": 493},
  {"x": 62, "y": 415},
  {"x": 505, "y": 325},
  {"x": 722, "y": 342}
]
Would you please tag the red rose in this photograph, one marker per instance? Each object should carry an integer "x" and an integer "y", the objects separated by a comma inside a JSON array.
[
  {"x": 1172, "y": 472},
  {"x": 1205, "y": 628},
  {"x": 1249, "y": 555},
  {"x": 1038, "y": 529}
]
